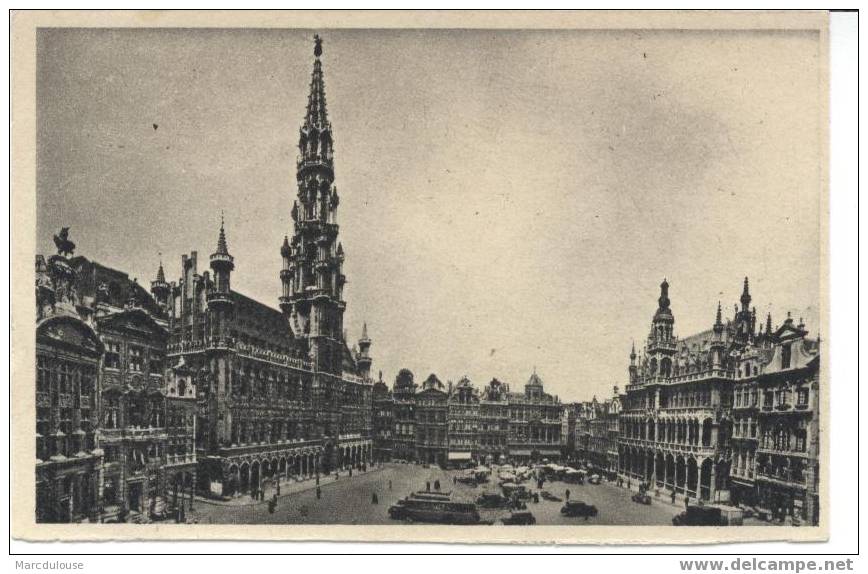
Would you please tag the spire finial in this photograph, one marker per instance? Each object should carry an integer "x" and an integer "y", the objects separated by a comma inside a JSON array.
[
  {"x": 221, "y": 240},
  {"x": 719, "y": 320},
  {"x": 745, "y": 295},
  {"x": 317, "y": 49},
  {"x": 663, "y": 300}
]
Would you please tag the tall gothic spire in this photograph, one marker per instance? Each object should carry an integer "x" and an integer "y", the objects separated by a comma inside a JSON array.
[
  {"x": 316, "y": 117},
  {"x": 312, "y": 275}
]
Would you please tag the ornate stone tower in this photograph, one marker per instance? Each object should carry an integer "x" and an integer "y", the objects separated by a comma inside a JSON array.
[
  {"x": 312, "y": 259},
  {"x": 217, "y": 389},
  {"x": 661, "y": 341}
]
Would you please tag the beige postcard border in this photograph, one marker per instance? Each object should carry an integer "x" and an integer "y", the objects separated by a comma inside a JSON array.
[{"x": 23, "y": 249}]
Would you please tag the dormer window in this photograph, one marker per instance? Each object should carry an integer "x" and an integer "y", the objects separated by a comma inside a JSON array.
[{"x": 786, "y": 356}]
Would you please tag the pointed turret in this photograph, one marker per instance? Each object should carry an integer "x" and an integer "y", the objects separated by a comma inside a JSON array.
[
  {"x": 160, "y": 289},
  {"x": 745, "y": 295},
  {"x": 364, "y": 358},
  {"x": 221, "y": 261},
  {"x": 634, "y": 368},
  {"x": 219, "y": 298}
]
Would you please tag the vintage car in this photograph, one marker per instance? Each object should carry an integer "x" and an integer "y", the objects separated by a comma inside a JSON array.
[
  {"x": 641, "y": 498},
  {"x": 574, "y": 476},
  {"x": 467, "y": 478},
  {"x": 413, "y": 509},
  {"x": 492, "y": 501},
  {"x": 698, "y": 516},
  {"x": 513, "y": 490},
  {"x": 594, "y": 479},
  {"x": 521, "y": 517},
  {"x": 431, "y": 495},
  {"x": 579, "y": 508}
]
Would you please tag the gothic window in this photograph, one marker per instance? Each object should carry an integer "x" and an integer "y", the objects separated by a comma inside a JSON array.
[
  {"x": 43, "y": 375},
  {"x": 63, "y": 378},
  {"x": 43, "y": 419}
]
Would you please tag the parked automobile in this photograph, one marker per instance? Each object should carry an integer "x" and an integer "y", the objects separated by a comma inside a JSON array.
[
  {"x": 511, "y": 489},
  {"x": 492, "y": 501},
  {"x": 641, "y": 498},
  {"x": 698, "y": 516},
  {"x": 578, "y": 508},
  {"x": 521, "y": 517},
  {"x": 594, "y": 479},
  {"x": 414, "y": 509},
  {"x": 431, "y": 495}
]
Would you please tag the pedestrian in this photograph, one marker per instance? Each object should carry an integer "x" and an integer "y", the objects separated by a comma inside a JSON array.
[
  {"x": 317, "y": 480},
  {"x": 390, "y": 484},
  {"x": 318, "y": 493},
  {"x": 437, "y": 485},
  {"x": 454, "y": 480},
  {"x": 374, "y": 499},
  {"x": 428, "y": 486},
  {"x": 567, "y": 494},
  {"x": 686, "y": 502},
  {"x": 673, "y": 496}
]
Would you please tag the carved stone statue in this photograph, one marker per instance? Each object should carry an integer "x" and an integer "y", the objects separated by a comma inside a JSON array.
[{"x": 64, "y": 245}]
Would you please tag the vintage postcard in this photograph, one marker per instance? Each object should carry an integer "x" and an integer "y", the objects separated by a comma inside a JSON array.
[{"x": 420, "y": 276}]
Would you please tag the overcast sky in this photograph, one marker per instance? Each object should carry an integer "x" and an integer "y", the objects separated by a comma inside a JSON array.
[{"x": 509, "y": 199}]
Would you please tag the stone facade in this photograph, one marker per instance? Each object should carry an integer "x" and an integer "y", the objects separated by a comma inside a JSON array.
[
  {"x": 712, "y": 416},
  {"x": 279, "y": 393}
]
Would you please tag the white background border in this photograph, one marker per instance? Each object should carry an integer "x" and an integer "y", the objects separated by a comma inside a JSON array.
[{"x": 844, "y": 376}]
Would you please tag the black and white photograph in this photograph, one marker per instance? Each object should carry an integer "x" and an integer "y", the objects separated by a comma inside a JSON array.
[{"x": 500, "y": 278}]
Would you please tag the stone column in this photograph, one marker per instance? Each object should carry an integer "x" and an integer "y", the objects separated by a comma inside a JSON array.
[{"x": 712, "y": 483}]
